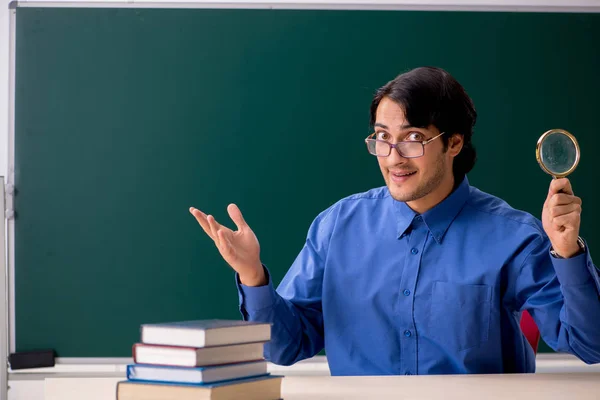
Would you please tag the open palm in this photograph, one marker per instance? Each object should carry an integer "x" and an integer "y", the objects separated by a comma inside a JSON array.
[{"x": 240, "y": 248}]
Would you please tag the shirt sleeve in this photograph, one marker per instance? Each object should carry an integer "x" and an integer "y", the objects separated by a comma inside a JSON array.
[
  {"x": 294, "y": 309},
  {"x": 562, "y": 295}
]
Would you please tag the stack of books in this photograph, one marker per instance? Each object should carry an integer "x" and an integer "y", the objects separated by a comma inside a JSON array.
[{"x": 206, "y": 359}]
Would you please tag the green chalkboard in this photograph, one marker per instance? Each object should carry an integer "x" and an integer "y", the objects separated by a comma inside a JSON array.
[{"x": 126, "y": 117}]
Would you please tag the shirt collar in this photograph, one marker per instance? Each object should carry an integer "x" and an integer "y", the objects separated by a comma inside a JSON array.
[{"x": 439, "y": 218}]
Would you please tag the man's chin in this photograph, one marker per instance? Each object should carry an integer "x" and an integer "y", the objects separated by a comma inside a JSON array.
[{"x": 401, "y": 195}]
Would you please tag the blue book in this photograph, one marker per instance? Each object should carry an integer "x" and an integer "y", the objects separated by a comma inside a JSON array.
[
  {"x": 267, "y": 387},
  {"x": 205, "y": 333},
  {"x": 199, "y": 375}
]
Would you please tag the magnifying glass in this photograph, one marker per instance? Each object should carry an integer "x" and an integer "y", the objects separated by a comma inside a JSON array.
[{"x": 557, "y": 152}]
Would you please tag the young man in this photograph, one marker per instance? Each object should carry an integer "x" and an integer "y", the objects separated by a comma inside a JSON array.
[{"x": 426, "y": 275}]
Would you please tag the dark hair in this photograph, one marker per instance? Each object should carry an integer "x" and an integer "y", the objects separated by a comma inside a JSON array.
[{"x": 431, "y": 96}]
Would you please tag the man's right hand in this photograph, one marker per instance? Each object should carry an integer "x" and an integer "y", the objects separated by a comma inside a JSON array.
[{"x": 240, "y": 249}]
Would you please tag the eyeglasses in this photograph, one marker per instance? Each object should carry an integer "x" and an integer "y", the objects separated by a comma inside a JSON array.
[{"x": 406, "y": 148}]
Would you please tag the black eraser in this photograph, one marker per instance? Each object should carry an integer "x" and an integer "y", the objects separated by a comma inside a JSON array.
[{"x": 31, "y": 359}]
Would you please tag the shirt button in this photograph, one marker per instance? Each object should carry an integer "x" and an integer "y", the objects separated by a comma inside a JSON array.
[
  {"x": 418, "y": 218},
  {"x": 414, "y": 251},
  {"x": 407, "y": 333},
  {"x": 406, "y": 292}
]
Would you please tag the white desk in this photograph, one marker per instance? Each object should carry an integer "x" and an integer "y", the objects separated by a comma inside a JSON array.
[{"x": 579, "y": 386}]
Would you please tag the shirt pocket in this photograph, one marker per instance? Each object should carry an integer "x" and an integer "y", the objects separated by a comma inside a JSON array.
[{"x": 460, "y": 314}]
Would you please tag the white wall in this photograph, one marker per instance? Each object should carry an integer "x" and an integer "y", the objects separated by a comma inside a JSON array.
[{"x": 4, "y": 60}]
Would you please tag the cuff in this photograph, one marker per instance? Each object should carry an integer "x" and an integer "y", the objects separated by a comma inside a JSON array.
[
  {"x": 574, "y": 271},
  {"x": 255, "y": 298}
]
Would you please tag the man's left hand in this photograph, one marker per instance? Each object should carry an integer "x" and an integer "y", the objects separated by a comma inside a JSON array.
[{"x": 561, "y": 217}]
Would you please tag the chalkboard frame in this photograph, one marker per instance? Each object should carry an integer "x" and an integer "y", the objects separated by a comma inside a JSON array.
[{"x": 566, "y": 6}]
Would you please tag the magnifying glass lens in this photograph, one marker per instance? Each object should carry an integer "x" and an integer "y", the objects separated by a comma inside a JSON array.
[{"x": 558, "y": 152}]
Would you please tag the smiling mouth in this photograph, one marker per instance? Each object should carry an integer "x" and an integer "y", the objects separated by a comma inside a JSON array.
[
  {"x": 399, "y": 178},
  {"x": 399, "y": 175}
]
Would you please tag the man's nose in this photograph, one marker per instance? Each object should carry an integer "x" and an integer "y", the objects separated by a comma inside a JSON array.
[{"x": 395, "y": 158}]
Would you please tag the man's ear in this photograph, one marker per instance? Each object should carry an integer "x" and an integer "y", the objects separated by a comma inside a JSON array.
[{"x": 455, "y": 144}]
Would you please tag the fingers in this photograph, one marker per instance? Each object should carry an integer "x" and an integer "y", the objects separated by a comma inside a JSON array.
[
  {"x": 217, "y": 232},
  {"x": 214, "y": 228},
  {"x": 224, "y": 243},
  {"x": 557, "y": 211},
  {"x": 209, "y": 224},
  {"x": 560, "y": 199},
  {"x": 202, "y": 220},
  {"x": 236, "y": 216},
  {"x": 568, "y": 220},
  {"x": 561, "y": 185}
]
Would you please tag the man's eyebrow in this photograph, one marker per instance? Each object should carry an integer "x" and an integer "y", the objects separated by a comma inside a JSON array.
[{"x": 402, "y": 127}]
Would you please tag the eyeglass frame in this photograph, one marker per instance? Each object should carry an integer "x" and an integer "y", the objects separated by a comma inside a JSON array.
[{"x": 395, "y": 146}]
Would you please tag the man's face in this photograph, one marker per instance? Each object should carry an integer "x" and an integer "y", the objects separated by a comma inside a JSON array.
[{"x": 426, "y": 179}]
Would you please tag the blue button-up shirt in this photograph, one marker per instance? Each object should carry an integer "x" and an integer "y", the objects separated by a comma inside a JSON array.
[{"x": 387, "y": 291}]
